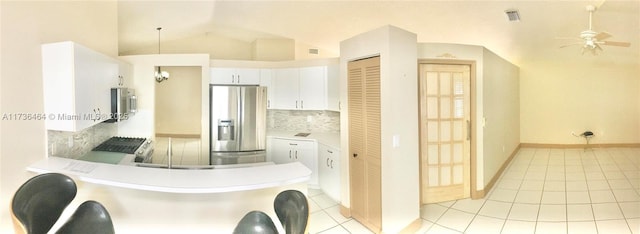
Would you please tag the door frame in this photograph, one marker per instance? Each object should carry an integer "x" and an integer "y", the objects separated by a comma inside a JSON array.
[{"x": 475, "y": 194}]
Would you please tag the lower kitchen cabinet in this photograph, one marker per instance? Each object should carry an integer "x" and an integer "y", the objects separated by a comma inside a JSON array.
[
  {"x": 329, "y": 171},
  {"x": 280, "y": 150}
]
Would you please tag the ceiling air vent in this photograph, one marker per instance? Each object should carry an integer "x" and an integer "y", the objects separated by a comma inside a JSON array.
[
  {"x": 514, "y": 15},
  {"x": 314, "y": 51}
]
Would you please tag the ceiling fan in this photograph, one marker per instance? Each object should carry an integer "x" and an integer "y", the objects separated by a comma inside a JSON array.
[{"x": 592, "y": 40}]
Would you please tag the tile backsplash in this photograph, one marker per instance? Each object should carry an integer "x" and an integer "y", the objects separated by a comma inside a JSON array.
[
  {"x": 303, "y": 121},
  {"x": 75, "y": 144}
]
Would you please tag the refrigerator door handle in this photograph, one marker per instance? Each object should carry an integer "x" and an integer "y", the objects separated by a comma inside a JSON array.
[{"x": 240, "y": 119}]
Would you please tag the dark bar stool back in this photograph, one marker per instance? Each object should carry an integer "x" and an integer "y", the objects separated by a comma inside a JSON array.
[
  {"x": 38, "y": 203},
  {"x": 292, "y": 209},
  {"x": 255, "y": 222},
  {"x": 90, "y": 217}
]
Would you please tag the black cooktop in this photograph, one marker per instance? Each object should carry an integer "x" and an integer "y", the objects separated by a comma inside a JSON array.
[{"x": 127, "y": 145}]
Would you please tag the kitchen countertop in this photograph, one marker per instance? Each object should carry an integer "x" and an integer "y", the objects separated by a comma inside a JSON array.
[
  {"x": 329, "y": 139},
  {"x": 177, "y": 180}
]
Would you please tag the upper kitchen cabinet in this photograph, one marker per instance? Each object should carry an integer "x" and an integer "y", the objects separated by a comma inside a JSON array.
[
  {"x": 125, "y": 75},
  {"x": 235, "y": 76},
  {"x": 300, "y": 88},
  {"x": 266, "y": 80},
  {"x": 333, "y": 88},
  {"x": 77, "y": 83},
  {"x": 285, "y": 88}
]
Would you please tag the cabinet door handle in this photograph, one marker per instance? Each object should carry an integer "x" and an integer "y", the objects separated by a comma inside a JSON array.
[
  {"x": 269, "y": 103},
  {"x": 289, "y": 154},
  {"x": 327, "y": 162},
  {"x": 331, "y": 163},
  {"x": 238, "y": 79},
  {"x": 355, "y": 155},
  {"x": 296, "y": 155},
  {"x": 329, "y": 151},
  {"x": 302, "y": 104},
  {"x": 293, "y": 144}
]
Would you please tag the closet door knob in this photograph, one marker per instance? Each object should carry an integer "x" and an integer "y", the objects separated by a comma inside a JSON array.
[{"x": 355, "y": 155}]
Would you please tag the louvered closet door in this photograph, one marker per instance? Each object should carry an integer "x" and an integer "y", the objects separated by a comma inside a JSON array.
[
  {"x": 364, "y": 142},
  {"x": 444, "y": 131}
]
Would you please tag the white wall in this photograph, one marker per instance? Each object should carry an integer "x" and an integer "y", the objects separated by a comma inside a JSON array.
[
  {"x": 178, "y": 102},
  {"x": 273, "y": 49},
  {"x": 580, "y": 95},
  {"x": 501, "y": 111},
  {"x": 25, "y": 26},
  {"x": 216, "y": 46},
  {"x": 400, "y": 180}
]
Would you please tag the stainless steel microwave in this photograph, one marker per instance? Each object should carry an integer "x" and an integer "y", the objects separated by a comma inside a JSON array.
[{"x": 123, "y": 104}]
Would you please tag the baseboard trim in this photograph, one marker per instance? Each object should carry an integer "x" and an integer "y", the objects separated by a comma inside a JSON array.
[
  {"x": 413, "y": 226},
  {"x": 344, "y": 211},
  {"x": 173, "y": 135},
  {"x": 578, "y": 146},
  {"x": 495, "y": 177}
]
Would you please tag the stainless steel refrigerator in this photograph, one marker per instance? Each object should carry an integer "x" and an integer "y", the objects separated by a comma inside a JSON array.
[{"x": 238, "y": 124}]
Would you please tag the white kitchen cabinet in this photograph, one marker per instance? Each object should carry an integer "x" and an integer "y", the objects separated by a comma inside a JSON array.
[
  {"x": 280, "y": 150},
  {"x": 235, "y": 76},
  {"x": 286, "y": 91},
  {"x": 312, "y": 88},
  {"x": 300, "y": 88},
  {"x": 333, "y": 88},
  {"x": 77, "y": 83},
  {"x": 329, "y": 171},
  {"x": 125, "y": 75},
  {"x": 266, "y": 80}
]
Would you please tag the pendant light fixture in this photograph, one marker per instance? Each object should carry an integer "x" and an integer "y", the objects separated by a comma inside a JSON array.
[{"x": 160, "y": 75}]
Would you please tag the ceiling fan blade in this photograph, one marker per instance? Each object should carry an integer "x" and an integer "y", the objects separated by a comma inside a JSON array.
[
  {"x": 602, "y": 35},
  {"x": 616, "y": 43},
  {"x": 567, "y": 45},
  {"x": 597, "y": 47}
]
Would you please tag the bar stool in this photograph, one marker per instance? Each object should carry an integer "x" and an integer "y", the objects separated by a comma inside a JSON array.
[
  {"x": 38, "y": 203},
  {"x": 255, "y": 222},
  {"x": 292, "y": 209}
]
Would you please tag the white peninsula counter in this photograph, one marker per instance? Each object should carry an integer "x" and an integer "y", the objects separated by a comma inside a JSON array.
[
  {"x": 177, "y": 180},
  {"x": 160, "y": 200}
]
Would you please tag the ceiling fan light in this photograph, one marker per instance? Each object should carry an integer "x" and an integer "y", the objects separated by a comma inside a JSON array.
[{"x": 513, "y": 15}]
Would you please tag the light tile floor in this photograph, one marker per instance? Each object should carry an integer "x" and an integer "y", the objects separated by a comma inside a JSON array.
[
  {"x": 325, "y": 216},
  {"x": 541, "y": 191},
  {"x": 186, "y": 151},
  {"x": 551, "y": 191}
]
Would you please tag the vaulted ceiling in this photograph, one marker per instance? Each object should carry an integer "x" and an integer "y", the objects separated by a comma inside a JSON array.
[{"x": 325, "y": 23}]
